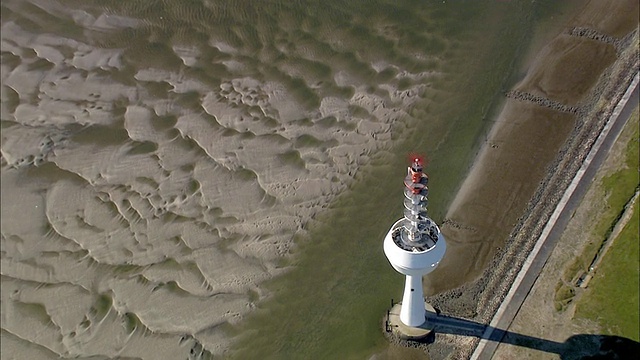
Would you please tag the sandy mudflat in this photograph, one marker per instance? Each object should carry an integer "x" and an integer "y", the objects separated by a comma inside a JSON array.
[
  {"x": 534, "y": 124},
  {"x": 150, "y": 184},
  {"x": 153, "y": 179},
  {"x": 492, "y": 199}
]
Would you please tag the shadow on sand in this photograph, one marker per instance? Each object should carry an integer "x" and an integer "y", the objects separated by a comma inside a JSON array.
[{"x": 582, "y": 346}]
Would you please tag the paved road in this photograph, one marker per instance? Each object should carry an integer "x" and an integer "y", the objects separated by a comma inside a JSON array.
[{"x": 558, "y": 222}]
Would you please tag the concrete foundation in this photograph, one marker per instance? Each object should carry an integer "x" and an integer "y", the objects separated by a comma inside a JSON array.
[{"x": 405, "y": 332}]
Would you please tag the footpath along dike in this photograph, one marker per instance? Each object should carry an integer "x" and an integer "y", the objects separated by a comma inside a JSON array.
[{"x": 483, "y": 297}]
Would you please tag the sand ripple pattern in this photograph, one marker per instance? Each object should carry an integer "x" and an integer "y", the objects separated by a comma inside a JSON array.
[{"x": 158, "y": 158}]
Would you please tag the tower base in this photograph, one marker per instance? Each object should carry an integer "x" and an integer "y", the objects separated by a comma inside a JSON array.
[{"x": 405, "y": 332}]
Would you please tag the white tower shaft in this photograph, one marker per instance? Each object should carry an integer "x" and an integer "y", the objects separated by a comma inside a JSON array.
[
  {"x": 412, "y": 312},
  {"x": 414, "y": 245}
]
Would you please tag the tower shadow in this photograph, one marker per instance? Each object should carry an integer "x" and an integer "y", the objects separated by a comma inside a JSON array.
[{"x": 581, "y": 346}]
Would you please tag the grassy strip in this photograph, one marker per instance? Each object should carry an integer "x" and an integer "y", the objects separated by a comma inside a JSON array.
[
  {"x": 617, "y": 189},
  {"x": 612, "y": 298}
]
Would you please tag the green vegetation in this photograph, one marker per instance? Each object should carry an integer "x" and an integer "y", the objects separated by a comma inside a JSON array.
[
  {"x": 616, "y": 189},
  {"x": 612, "y": 298},
  {"x": 620, "y": 186}
]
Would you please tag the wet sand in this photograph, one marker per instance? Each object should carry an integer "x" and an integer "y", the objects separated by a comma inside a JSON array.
[
  {"x": 539, "y": 116},
  {"x": 526, "y": 138},
  {"x": 144, "y": 199},
  {"x": 158, "y": 160}
]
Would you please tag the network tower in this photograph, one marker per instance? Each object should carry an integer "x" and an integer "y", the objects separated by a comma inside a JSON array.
[{"x": 414, "y": 245}]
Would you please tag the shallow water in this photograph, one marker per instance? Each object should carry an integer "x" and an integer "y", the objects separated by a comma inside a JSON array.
[
  {"x": 332, "y": 304},
  {"x": 159, "y": 157}
]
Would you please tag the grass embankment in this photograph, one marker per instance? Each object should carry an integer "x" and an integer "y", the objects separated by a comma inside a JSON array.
[{"x": 612, "y": 298}]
